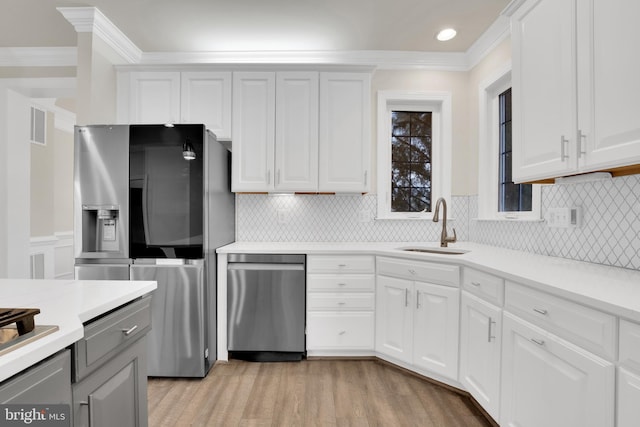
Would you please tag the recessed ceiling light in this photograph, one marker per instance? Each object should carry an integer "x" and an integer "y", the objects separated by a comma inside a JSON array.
[{"x": 446, "y": 34}]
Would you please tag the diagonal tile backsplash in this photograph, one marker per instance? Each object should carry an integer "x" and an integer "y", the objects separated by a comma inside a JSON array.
[{"x": 609, "y": 233}]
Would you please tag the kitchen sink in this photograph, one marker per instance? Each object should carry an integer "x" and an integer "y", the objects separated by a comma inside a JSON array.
[{"x": 435, "y": 250}]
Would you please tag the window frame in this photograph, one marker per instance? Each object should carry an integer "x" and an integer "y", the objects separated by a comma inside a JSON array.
[
  {"x": 488, "y": 152},
  {"x": 439, "y": 103}
]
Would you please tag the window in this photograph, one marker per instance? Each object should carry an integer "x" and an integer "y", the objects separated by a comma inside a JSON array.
[
  {"x": 511, "y": 197},
  {"x": 414, "y": 153},
  {"x": 498, "y": 196},
  {"x": 410, "y": 161}
]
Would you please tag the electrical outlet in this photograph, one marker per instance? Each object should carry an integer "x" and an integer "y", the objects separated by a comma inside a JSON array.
[
  {"x": 564, "y": 217},
  {"x": 365, "y": 215},
  {"x": 283, "y": 216}
]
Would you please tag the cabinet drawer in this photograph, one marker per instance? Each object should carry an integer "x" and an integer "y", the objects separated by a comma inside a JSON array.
[
  {"x": 341, "y": 282},
  {"x": 484, "y": 285},
  {"x": 340, "y": 331},
  {"x": 587, "y": 327},
  {"x": 630, "y": 344},
  {"x": 340, "y": 302},
  {"x": 442, "y": 274},
  {"x": 108, "y": 335},
  {"x": 340, "y": 264}
]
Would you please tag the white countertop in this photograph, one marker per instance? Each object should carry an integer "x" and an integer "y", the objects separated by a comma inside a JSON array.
[
  {"x": 611, "y": 289},
  {"x": 66, "y": 304}
]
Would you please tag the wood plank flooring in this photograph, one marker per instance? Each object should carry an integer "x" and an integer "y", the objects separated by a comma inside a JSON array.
[{"x": 308, "y": 393}]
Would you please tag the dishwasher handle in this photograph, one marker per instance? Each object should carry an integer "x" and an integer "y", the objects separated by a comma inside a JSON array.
[{"x": 264, "y": 267}]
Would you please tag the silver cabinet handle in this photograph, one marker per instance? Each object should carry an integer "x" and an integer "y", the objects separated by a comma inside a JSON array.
[
  {"x": 540, "y": 311},
  {"x": 89, "y": 405},
  {"x": 539, "y": 342},
  {"x": 413, "y": 272},
  {"x": 406, "y": 297},
  {"x": 278, "y": 177},
  {"x": 342, "y": 284},
  {"x": 342, "y": 332},
  {"x": 417, "y": 299},
  {"x": 563, "y": 154},
  {"x": 579, "y": 139},
  {"x": 365, "y": 177},
  {"x": 129, "y": 331},
  {"x": 341, "y": 303},
  {"x": 342, "y": 265},
  {"x": 269, "y": 177},
  {"x": 490, "y": 335},
  {"x": 475, "y": 283}
]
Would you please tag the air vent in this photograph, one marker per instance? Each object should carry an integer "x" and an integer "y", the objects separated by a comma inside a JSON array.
[{"x": 38, "y": 126}]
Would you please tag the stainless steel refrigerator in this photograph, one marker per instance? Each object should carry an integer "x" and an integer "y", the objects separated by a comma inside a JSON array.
[{"x": 153, "y": 203}]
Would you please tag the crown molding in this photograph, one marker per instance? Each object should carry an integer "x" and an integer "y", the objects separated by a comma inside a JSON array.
[
  {"x": 91, "y": 20},
  {"x": 512, "y": 7},
  {"x": 38, "y": 56}
]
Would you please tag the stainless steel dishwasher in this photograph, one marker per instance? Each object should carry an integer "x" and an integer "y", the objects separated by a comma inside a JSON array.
[{"x": 266, "y": 307}]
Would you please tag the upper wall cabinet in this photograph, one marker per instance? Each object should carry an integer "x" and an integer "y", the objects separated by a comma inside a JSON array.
[
  {"x": 176, "y": 97},
  {"x": 345, "y": 132},
  {"x": 275, "y": 127},
  {"x": 301, "y": 132},
  {"x": 575, "y": 87}
]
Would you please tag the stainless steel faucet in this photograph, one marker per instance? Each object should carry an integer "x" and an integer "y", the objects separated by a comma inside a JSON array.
[{"x": 444, "y": 238}]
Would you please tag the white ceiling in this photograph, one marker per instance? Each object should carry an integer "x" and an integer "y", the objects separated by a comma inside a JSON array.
[{"x": 260, "y": 25}]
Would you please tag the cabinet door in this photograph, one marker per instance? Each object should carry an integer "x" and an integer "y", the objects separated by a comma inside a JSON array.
[
  {"x": 609, "y": 105},
  {"x": 394, "y": 327},
  {"x": 435, "y": 328},
  {"x": 345, "y": 129},
  {"x": 544, "y": 89},
  {"x": 253, "y": 131},
  {"x": 206, "y": 98},
  {"x": 296, "y": 131},
  {"x": 549, "y": 382},
  {"x": 628, "y": 410},
  {"x": 116, "y": 394},
  {"x": 480, "y": 344},
  {"x": 154, "y": 97}
]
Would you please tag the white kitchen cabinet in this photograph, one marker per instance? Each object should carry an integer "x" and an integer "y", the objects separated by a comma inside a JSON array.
[
  {"x": 253, "y": 131},
  {"x": 151, "y": 97},
  {"x": 435, "y": 328},
  {"x": 275, "y": 131},
  {"x": 206, "y": 98},
  {"x": 547, "y": 381},
  {"x": 340, "y": 305},
  {"x": 345, "y": 132},
  {"x": 394, "y": 318},
  {"x": 417, "y": 314},
  {"x": 628, "y": 392},
  {"x": 480, "y": 347},
  {"x": 574, "y": 81}
]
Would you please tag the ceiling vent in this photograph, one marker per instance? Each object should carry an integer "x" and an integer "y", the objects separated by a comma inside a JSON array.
[{"x": 38, "y": 126}]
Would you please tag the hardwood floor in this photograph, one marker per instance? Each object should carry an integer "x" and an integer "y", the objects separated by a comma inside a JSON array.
[{"x": 307, "y": 393}]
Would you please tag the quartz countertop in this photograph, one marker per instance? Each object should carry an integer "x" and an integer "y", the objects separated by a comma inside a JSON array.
[
  {"x": 612, "y": 289},
  {"x": 63, "y": 303}
]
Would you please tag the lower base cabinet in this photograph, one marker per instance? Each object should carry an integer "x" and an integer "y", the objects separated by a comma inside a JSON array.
[
  {"x": 115, "y": 394},
  {"x": 480, "y": 345},
  {"x": 549, "y": 382}
]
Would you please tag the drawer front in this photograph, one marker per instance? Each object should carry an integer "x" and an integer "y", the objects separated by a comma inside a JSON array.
[
  {"x": 484, "y": 285},
  {"x": 340, "y": 331},
  {"x": 587, "y": 327},
  {"x": 630, "y": 344},
  {"x": 340, "y": 264},
  {"x": 341, "y": 282},
  {"x": 110, "y": 334},
  {"x": 340, "y": 302},
  {"x": 442, "y": 274}
]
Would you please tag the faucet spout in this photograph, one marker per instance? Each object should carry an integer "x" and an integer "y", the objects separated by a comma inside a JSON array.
[{"x": 445, "y": 239}]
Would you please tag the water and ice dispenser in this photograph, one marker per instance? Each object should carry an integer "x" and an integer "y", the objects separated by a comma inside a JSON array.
[{"x": 101, "y": 229}]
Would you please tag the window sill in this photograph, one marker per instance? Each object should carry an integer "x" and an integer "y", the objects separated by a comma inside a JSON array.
[{"x": 505, "y": 219}]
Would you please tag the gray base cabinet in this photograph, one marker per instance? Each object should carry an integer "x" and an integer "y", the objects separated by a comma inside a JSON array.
[
  {"x": 48, "y": 382},
  {"x": 115, "y": 394}
]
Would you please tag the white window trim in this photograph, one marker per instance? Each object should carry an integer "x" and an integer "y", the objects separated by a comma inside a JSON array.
[
  {"x": 489, "y": 91},
  {"x": 440, "y": 104}
]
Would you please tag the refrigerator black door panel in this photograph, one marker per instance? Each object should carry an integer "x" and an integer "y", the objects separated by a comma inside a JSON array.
[{"x": 166, "y": 192}]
